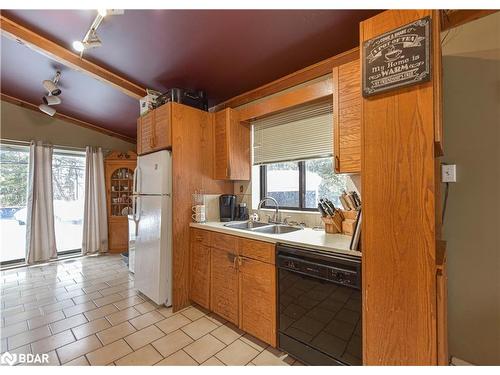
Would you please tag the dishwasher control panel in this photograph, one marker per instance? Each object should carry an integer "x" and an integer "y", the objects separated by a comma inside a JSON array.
[{"x": 323, "y": 268}]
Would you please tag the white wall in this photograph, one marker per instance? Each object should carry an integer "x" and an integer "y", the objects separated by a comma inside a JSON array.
[
  {"x": 471, "y": 69},
  {"x": 23, "y": 124}
]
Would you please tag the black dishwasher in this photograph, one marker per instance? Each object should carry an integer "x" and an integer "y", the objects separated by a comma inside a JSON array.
[{"x": 319, "y": 306}]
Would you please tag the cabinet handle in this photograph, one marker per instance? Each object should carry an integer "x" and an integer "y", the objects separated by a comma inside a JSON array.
[
  {"x": 231, "y": 257},
  {"x": 337, "y": 163},
  {"x": 240, "y": 261}
]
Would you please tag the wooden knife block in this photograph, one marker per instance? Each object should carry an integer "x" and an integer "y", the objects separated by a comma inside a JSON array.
[{"x": 339, "y": 225}]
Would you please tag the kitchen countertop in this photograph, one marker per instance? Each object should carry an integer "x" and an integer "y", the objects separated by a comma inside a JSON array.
[{"x": 309, "y": 238}]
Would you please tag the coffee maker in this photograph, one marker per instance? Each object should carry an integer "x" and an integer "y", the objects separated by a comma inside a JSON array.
[{"x": 227, "y": 207}]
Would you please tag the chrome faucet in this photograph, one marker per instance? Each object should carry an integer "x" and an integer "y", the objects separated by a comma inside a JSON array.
[{"x": 276, "y": 219}]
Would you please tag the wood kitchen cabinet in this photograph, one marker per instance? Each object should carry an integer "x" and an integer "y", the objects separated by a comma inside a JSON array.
[
  {"x": 231, "y": 146},
  {"x": 242, "y": 281},
  {"x": 199, "y": 275},
  {"x": 119, "y": 171},
  {"x": 257, "y": 286},
  {"x": 224, "y": 284},
  {"x": 154, "y": 130},
  {"x": 347, "y": 118}
]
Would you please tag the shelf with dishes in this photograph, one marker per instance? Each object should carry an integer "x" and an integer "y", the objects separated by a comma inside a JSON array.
[{"x": 121, "y": 182}]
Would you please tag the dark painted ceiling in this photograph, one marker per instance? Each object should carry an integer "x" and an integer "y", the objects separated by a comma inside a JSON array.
[
  {"x": 225, "y": 52},
  {"x": 84, "y": 98}
]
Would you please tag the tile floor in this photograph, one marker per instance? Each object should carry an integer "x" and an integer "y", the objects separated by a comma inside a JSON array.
[{"x": 85, "y": 311}]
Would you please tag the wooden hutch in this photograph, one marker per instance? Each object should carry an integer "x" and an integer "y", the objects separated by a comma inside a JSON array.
[{"x": 119, "y": 173}]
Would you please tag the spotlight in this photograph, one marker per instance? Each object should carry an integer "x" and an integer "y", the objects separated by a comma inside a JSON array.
[
  {"x": 78, "y": 46},
  {"x": 51, "y": 100},
  {"x": 93, "y": 44},
  {"x": 51, "y": 86},
  {"x": 47, "y": 110},
  {"x": 102, "y": 12}
]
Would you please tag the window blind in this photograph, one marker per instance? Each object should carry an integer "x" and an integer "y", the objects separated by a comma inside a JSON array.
[{"x": 302, "y": 133}]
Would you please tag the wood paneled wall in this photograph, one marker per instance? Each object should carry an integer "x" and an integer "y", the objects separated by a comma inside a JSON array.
[
  {"x": 192, "y": 169},
  {"x": 399, "y": 221}
]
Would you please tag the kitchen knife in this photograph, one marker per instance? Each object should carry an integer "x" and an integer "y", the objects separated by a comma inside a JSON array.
[
  {"x": 343, "y": 201},
  {"x": 322, "y": 210}
]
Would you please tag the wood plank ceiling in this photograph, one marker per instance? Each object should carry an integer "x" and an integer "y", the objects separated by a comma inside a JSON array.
[{"x": 225, "y": 52}]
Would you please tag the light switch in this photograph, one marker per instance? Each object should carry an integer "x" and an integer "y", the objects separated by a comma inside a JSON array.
[{"x": 449, "y": 173}]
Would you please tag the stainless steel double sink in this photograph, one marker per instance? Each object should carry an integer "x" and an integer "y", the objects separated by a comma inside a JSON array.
[{"x": 258, "y": 227}]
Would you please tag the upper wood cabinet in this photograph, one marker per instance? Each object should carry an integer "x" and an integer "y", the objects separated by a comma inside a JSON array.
[
  {"x": 154, "y": 130},
  {"x": 231, "y": 146},
  {"x": 347, "y": 118}
]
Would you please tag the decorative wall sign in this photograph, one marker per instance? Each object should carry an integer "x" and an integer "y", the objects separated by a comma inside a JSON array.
[{"x": 398, "y": 58}]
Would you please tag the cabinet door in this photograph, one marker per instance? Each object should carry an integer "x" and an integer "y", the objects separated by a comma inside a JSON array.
[
  {"x": 221, "y": 151},
  {"x": 347, "y": 118},
  {"x": 118, "y": 234},
  {"x": 232, "y": 146},
  {"x": 199, "y": 274},
  {"x": 257, "y": 286},
  {"x": 139, "y": 137},
  {"x": 146, "y": 133},
  {"x": 224, "y": 284},
  {"x": 239, "y": 146},
  {"x": 163, "y": 127}
]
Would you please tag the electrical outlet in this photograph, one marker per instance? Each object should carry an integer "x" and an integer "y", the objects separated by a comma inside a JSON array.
[{"x": 449, "y": 173}]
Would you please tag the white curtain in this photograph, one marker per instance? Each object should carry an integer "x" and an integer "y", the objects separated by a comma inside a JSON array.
[
  {"x": 95, "y": 221},
  {"x": 40, "y": 233}
]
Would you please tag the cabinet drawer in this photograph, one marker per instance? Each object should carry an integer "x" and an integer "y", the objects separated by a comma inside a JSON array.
[
  {"x": 259, "y": 250},
  {"x": 225, "y": 242},
  {"x": 200, "y": 236}
]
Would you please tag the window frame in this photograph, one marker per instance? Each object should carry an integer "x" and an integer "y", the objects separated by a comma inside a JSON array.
[{"x": 302, "y": 189}]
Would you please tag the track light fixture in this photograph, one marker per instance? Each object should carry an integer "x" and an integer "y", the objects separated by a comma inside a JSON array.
[
  {"x": 91, "y": 40},
  {"x": 51, "y": 86},
  {"x": 53, "y": 95},
  {"x": 51, "y": 100},
  {"x": 47, "y": 110}
]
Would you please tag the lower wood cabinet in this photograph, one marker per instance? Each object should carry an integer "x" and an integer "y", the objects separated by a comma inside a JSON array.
[
  {"x": 238, "y": 278},
  {"x": 117, "y": 234},
  {"x": 257, "y": 284},
  {"x": 224, "y": 284},
  {"x": 199, "y": 277}
]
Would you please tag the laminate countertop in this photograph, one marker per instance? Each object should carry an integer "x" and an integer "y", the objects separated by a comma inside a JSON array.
[{"x": 307, "y": 237}]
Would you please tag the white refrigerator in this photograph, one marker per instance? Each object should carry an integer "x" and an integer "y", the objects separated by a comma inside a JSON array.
[{"x": 152, "y": 213}]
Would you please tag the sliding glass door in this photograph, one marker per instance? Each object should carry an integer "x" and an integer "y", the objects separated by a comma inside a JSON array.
[
  {"x": 14, "y": 167},
  {"x": 68, "y": 175}
]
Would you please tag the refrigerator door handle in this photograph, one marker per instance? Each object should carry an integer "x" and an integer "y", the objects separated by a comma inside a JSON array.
[
  {"x": 136, "y": 175},
  {"x": 136, "y": 208},
  {"x": 133, "y": 206}
]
